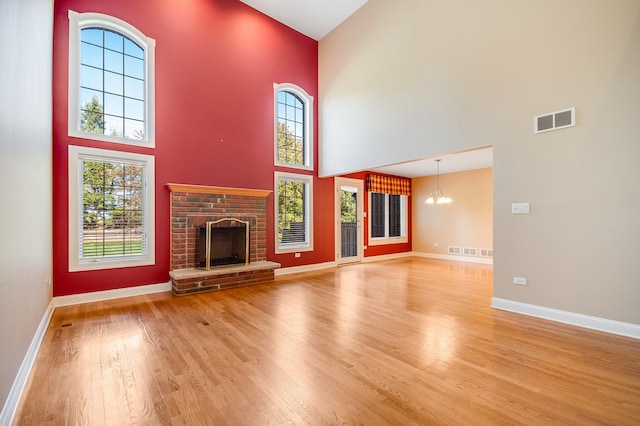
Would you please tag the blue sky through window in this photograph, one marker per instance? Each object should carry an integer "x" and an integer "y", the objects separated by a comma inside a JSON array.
[{"x": 112, "y": 70}]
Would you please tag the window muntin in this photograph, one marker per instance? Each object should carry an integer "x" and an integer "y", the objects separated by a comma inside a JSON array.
[
  {"x": 290, "y": 129},
  {"x": 111, "y": 84},
  {"x": 111, "y": 80},
  {"x": 110, "y": 209},
  {"x": 387, "y": 218},
  {"x": 293, "y": 127},
  {"x": 293, "y": 201}
]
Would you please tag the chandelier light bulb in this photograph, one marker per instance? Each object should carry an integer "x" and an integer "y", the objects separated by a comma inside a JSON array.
[{"x": 437, "y": 196}]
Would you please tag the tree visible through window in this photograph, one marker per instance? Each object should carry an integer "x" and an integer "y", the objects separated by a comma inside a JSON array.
[
  {"x": 293, "y": 127},
  {"x": 290, "y": 129},
  {"x": 112, "y": 84},
  {"x": 112, "y": 210},
  {"x": 293, "y": 210}
]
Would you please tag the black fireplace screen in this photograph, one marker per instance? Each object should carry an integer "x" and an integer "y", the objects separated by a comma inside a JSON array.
[{"x": 222, "y": 242}]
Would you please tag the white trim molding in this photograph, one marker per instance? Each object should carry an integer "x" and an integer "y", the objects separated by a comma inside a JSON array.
[
  {"x": 304, "y": 268},
  {"x": 382, "y": 257},
  {"x": 118, "y": 293},
  {"x": 77, "y": 156},
  {"x": 571, "y": 318},
  {"x": 78, "y": 21},
  {"x": 11, "y": 404},
  {"x": 307, "y": 101},
  {"x": 471, "y": 259}
]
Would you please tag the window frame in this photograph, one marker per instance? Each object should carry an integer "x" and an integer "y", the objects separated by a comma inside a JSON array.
[
  {"x": 80, "y": 153},
  {"x": 307, "y": 101},
  {"x": 404, "y": 218},
  {"x": 79, "y": 21},
  {"x": 281, "y": 248}
]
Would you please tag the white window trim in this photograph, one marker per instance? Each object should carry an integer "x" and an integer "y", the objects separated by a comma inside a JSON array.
[
  {"x": 78, "y": 153},
  {"x": 294, "y": 247},
  {"x": 378, "y": 241},
  {"x": 78, "y": 21},
  {"x": 307, "y": 100}
]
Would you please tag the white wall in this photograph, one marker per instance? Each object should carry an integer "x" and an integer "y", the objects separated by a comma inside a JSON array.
[
  {"x": 25, "y": 176},
  {"x": 408, "y": 79}
]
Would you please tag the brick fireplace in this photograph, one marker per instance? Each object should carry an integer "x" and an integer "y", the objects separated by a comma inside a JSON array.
[{"x": 195, "y": 205}]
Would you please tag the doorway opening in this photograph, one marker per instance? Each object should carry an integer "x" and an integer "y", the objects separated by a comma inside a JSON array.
[{"x": 349, "y": 215}]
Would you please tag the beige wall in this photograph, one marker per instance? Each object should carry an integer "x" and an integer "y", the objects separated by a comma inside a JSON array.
[
  {"x": 25, "y": 173},
  {"x": 408, "y": 79},
  {"x": 467, "y": 222}
]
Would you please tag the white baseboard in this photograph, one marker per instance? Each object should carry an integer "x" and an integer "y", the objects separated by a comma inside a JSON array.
[
  {"x": 585, "y": 321},
  {"x": 98, "y": 296},
  {"x": 11, "y": 404},
  {"x": 472, "y": 259},
  {"x": 386, "y": 257},
  {"x": 304, "y": 268}
]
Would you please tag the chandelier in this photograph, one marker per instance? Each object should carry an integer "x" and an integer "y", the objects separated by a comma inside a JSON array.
[{"x": 437, "y": 196}]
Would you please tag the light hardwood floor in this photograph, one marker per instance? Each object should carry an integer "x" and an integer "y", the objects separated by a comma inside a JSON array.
[{"x": 409, "y": 341}]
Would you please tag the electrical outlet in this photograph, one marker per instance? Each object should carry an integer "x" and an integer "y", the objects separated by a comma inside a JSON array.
[
  {"x": 519, "y": 280},
  {"x": 436, "y": 244},
  {"x": 297, "y": 255}
]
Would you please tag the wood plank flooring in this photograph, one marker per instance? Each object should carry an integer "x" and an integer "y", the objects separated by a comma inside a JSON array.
[{"x": 410, "y": 341}]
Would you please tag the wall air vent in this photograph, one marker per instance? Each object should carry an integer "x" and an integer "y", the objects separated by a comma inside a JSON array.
[
  {"x": 454, "y": 250},
  {"x": 486, "y": 252},
  {"x": 467, "y": 251},
  {"x": 554, "y": 121}
]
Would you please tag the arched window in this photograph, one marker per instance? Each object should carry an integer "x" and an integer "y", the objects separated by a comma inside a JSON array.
[
  {"x": 293, "y": 127},
  {"x": 111, "y": 73}
]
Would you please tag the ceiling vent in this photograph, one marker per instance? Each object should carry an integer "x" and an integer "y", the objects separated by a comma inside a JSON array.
[{"x": 554, "y": 121}]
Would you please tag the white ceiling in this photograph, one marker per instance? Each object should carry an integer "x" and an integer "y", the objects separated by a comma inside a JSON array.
[
  {"x": 316, "y": 19},
  {"x": 312, "y": 18},
  {"x": 451, "y": 163}
]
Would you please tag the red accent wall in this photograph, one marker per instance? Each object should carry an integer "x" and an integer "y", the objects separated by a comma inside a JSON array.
[
  {"x": 216, "y": 62},
  {"x": 386, "y": 248}
]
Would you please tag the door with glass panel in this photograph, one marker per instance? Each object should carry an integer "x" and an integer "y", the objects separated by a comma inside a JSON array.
[{"x": 349, "y": 213}]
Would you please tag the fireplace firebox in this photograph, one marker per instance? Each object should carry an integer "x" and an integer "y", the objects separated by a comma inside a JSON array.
[{"x": 222, "y": 242}]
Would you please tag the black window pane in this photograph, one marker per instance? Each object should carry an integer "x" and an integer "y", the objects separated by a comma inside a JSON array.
[
  {"x": 395, "y": 228},
  {"x": 377, "y": 212}
]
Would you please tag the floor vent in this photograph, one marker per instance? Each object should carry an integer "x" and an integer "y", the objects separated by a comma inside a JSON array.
[
  {"x": 554, "y": 121},
  {"x": 454, "y": 250},
  {"x": 467, "y": 251},
  {"x": 486, "y": 252}
]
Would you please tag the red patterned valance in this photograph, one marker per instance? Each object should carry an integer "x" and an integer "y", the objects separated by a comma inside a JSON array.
[{"x": 388, "y": 184}]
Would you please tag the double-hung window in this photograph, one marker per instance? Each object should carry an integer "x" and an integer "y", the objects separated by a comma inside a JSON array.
[
  {"x": 387, "y": 218},
  {"x": 294, "y": 214},
  {"x": 111, "y": 209},
  {"x": 111, "y": 80},
  {"x": 293, "y": 129},
  {"x": 388, "y": 209}
]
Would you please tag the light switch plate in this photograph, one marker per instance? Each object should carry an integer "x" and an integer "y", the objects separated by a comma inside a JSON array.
[{"x": 520, "y": 208}]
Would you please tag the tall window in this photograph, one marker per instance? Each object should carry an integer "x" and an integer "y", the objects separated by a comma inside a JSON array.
[
  {"x": 110, "y": 80},
  {"x": 293, "y": 127},
  {"x": 387, "y": 218},
  {"x": 293, "y": 201},
  {"x": 110, "y": 209}
]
